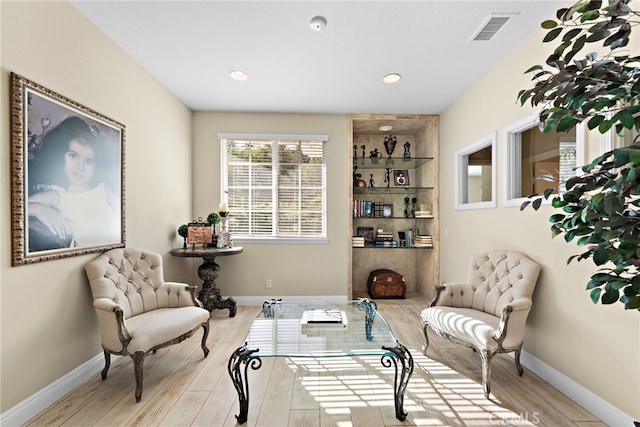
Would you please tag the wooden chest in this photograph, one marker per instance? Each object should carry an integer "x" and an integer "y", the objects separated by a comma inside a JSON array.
[{"x": 385, "y": 283}]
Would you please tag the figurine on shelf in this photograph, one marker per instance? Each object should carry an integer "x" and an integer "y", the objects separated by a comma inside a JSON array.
[
  {"x": 407, "y": 150},
  {"x": 363, "y": 147},
  {"x": 387, "y": 177},
  {"x": 371, "y": 181},
  {"x": 355, "y": 152},
  {"x": 390, "y": 144},
  {"x": 406, "y": 207},
  {"x": 413, "y": 208},
  {"x": 373, "y": 153}
]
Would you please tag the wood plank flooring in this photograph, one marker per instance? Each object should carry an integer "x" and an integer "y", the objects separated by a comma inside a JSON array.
[{"x": 181, "y": 388}]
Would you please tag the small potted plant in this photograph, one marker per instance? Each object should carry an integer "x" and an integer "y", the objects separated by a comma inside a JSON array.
[
  {"x": 183, "y": 231},
  {"x": 214, "y": 218}
]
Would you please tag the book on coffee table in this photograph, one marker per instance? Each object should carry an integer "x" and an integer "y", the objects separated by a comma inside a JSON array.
[{"x": 324, "y": 317}]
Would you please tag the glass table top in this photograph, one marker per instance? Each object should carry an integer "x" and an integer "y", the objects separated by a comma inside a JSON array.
[{"x": 320, "y": 329}]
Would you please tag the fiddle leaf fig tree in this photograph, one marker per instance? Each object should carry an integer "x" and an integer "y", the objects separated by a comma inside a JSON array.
[{"x": 600, "y": 209}]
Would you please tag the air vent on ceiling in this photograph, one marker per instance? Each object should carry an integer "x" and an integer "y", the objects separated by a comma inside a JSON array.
[{"x": 492, "y": 26}]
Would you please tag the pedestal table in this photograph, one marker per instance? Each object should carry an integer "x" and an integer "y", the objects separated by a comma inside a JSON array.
[{"x": 209, "y": 271}]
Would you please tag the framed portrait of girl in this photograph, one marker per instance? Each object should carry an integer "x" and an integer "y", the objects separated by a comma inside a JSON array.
[{"x": 68, "y": 177}]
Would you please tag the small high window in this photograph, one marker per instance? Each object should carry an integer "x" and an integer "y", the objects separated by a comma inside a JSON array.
[
  {"x": 535, "y": 161},
  {"x": 475, "y": 174}
]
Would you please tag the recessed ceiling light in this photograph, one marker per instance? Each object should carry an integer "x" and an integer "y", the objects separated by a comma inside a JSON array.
[
  {"x": 391, "y": 78},
  {"x": 318, "y": 23},
  {"x": 238, "y": 75},
  {"x": 385, "y": 128}
]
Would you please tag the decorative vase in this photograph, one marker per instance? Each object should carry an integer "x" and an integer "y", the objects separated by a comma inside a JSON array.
[{"x": 224, "y": 238}]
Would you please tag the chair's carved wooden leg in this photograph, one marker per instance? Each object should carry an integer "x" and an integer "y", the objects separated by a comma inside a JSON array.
[
  {"x": 486, "y": 356},
  {"x": 205, "y": 334},
  {"x": 517, "y": 358},
  {"x": 138, "y": 361},
  {"x": 426, "y": 339},
  {"x": 107, "y": 364}
]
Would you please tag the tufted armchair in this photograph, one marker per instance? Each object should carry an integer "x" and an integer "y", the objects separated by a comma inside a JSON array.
[
  {"x": 489, "y": 311},
  {"x": 138, "y": 312}
]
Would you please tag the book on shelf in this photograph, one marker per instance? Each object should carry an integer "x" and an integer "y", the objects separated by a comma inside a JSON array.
[
  {"x": 423, "y": 214},
  {"x": 368, "y": 209},
  {"x": 423, "y": 241},
  {"x": 357, "y": 242}
]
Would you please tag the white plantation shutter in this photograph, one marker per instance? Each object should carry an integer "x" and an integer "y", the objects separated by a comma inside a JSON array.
[{"x": 275, "y": 185}]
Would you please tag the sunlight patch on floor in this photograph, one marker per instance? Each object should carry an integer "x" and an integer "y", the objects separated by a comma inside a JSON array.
[{"x": 436, "y": 394}]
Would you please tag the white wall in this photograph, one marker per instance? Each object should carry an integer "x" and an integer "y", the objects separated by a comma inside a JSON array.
[
  {"x": 48, "y": 322},
  {"x": 294, "y": 269},
  {"x": 595, "y": 345}
]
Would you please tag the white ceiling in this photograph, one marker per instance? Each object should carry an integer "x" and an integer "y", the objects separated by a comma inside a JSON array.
[{"x": 191, "y": 46}]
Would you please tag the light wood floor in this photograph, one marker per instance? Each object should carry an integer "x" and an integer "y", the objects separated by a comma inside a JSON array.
[{"x": 181, "y": 388}]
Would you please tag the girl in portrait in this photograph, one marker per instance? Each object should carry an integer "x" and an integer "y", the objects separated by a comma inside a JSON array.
[{"x": 71, "y": 183}]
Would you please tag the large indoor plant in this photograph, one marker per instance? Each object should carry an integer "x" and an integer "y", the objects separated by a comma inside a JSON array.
[{"x": 600, "y": 210}]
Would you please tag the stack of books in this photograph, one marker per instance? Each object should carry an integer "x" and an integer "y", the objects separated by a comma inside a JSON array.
[
  {"x": 357, "y": 241},
  {"x": 384, "y": 238},
  {"x": 425, "y": 241},
  {"x": 424, "y": 214}
]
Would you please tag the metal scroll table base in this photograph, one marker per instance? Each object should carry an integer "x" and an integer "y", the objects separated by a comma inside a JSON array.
[{"x": 244, "y": 358}]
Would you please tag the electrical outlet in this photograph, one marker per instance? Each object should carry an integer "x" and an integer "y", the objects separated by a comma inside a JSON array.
[{"x": 269, "y": 284}]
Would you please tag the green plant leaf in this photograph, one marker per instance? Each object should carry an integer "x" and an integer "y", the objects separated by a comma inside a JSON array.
[
  {"x": 549, "y": 24},
  {"x": 626, "y": 118},
  {"x": 536, "y": 203},
  {"x": 604, "y": 126},
  {"x": 567, "y": 124},
  {"x": 610, "y": 296},
  {"x": 571, "y": 33},
  {"x": 595, "y": 121},
  {"x": 595, "y": 295},
  {"x": 553, "y": 34}
]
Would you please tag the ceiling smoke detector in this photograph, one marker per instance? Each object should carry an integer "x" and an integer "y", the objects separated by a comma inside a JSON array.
[{"x": 318, "y": 23}]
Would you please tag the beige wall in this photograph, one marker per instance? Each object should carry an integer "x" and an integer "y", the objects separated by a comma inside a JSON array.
[
  {"x": 48, "y": 323},
  {"x": 595, "y": 345},
  {"x": 318, "y": 269}
]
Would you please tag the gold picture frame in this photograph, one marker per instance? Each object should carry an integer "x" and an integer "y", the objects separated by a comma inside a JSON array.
[{"x": 67, "y": 176}]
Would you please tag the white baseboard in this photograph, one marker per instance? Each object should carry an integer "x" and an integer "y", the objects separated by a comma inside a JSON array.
[
  {"x": 593, "y": 403},
  {"x": 41, "y": 400}
]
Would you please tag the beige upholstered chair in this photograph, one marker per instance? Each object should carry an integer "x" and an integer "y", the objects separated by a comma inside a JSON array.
[
  {"x": 487, "y": 313},
  {"x": 138, "y": 312}
]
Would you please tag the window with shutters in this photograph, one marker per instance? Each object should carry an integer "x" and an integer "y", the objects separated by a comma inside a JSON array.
[{"x": 275, "y": 187}]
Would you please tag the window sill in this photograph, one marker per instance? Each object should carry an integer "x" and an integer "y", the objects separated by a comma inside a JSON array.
[{"x": 280, "y": 240}]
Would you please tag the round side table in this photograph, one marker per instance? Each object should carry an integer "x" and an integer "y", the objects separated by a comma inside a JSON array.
[{"x": 209, "y": 271}]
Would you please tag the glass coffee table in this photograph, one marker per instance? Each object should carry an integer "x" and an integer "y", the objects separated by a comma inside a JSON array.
[{"x": 319, "y": 330}]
